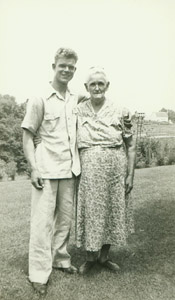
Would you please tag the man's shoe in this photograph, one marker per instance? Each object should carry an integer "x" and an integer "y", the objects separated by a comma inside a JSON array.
[
  {"x": 110, "y": 265},
  {"x": 86, "y": 267},
  {"x": 69, "y": 270},
  {"x": 40, "y": 288}
]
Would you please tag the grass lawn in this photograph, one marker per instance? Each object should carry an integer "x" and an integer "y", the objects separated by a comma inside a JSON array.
[{"x": 147, "y": 264}]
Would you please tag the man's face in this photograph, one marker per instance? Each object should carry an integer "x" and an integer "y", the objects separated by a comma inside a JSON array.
[
  {"x": 97, "y": 86},
  {"x": 64, "y": 69}
]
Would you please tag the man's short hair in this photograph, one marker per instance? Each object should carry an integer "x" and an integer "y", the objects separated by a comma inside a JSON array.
[{"x": 67, "y": 53}]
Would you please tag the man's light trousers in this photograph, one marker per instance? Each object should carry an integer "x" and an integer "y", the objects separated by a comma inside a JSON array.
[{"x": 51, "y": 216}]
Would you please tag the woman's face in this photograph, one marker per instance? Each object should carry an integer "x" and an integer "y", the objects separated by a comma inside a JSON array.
[{"x": 97, "y": 86}]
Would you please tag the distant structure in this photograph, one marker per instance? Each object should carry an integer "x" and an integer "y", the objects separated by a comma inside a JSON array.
[
  {"x": 139, "y": 117},
  {"x": 158, "y": 117}
]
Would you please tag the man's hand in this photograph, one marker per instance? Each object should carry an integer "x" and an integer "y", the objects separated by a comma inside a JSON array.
[
  {"x": 128, "y": 184},
  {"x": 37, "y": 140},
  {"x": 29, "y": 152},
  {"x": 37, "y": 180}
]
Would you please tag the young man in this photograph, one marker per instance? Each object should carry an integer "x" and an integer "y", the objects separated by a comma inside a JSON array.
[{"x": 54, "y": 164}]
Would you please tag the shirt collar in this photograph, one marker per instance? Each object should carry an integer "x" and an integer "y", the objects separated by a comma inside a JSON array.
[
  {"x": 51, "y": 91},
  {"x": 106, "y": 104}
]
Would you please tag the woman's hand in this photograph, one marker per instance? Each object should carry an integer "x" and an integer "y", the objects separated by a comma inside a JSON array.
[
  {"x": 131, "y": 153},
  {"x": 128, "y": 184}
]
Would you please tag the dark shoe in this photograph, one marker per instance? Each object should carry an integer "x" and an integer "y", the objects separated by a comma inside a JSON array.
[
  {"x": 110, "y": 265},
  {"x": 40, "y": 288},
  {"x": 69, "y": 270},
  {"x": 86, "y": 267}
]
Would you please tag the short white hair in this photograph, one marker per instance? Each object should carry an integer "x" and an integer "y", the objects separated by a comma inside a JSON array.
[{"x": 95, "y": 70}]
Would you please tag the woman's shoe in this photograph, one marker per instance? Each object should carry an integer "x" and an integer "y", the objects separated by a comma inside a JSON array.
[
  {"x": 110, "y": 265},
  {"x": 86, "y": 267},
  {"x": 69, "y": 270}
]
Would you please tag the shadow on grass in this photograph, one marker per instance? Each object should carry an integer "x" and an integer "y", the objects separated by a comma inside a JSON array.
[
  {"x": 152, "y": 248},
  {"x": 20, "y": 263}
]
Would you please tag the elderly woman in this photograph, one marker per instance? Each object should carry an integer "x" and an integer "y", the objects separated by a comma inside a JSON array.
[{"x": 107, "y": 155}]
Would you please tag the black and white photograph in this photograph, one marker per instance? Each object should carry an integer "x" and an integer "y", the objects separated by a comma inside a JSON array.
[{"x": 87, "y": 149}]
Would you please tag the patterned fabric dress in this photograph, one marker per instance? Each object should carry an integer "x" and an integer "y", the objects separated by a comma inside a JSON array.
[{"x": 104, "y": 216}]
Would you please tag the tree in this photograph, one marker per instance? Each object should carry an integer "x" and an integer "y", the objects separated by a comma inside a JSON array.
[
  {"x": 171, "y": 114},
  {"x": 11, "y": 169},
  {"x": 11, "y": 116},
  {"x": 2, "y": 169}
]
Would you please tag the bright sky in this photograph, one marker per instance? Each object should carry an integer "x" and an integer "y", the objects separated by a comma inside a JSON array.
[{"x": 134, "y": 40}]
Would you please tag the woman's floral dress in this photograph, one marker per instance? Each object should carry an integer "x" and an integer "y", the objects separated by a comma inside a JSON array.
[{"x": 104, "y": 216}]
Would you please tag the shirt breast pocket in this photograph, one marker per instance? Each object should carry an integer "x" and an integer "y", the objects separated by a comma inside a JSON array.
[
  {"x": 84, "y": 121},
  {"x": 51, "y": 121},
  {"x": 116, "y": 124}
]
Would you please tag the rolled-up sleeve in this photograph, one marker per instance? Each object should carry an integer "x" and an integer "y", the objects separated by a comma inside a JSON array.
[
  {"x": 127, "y": 123},
  {"x": 34, "y": 115}
]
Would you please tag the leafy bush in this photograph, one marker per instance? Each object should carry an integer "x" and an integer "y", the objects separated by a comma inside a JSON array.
[
  {"x": 2, "y": 168},
  {"x": 11, "y": 116},
  {"x": 150, "y": 153},
  {"x": 11, "y": 169},
  {"x": 171, "y": 157},
  {"x": 147, "y": 152}
]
